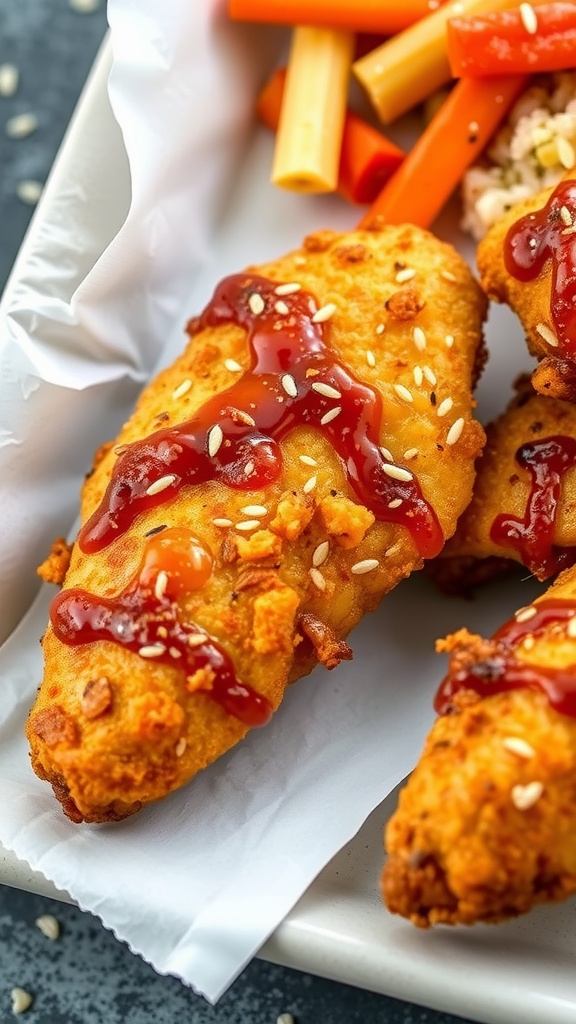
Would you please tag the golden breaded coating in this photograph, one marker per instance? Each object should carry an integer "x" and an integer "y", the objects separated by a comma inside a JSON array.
[
  {"x": 282, "y": 475},
  {"x": 523, "y": 508},
  {"x": 486, "y": 825},
  {"x": 527, "y": 260}
]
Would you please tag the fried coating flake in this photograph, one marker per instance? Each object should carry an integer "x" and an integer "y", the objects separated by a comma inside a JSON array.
[
  {"x": 275, "y": 575},
  {"x": 486, "y": 825}
]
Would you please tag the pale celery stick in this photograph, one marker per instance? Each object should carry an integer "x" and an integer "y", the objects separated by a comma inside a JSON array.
[
  {"x": 307, "y": 151},
  {"x": 407, "y": 68}
]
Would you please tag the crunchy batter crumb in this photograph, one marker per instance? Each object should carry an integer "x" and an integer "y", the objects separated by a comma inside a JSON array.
[
  {"x": 96, "y": 697},
  {"x": 54, "y": 568},
  {"x": 274, "y": 614},
  {"x": 261, "y": 544},
  {"x": 293, "y": 514},
  {"x": 344, "y": 520},
  {"x": 404, "y": 304}
]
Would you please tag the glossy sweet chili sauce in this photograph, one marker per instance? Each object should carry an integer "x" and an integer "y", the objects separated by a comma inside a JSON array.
[
  {"x": 145, "y": 618},
  {"x": 546, "y": 235},
  {"x": 532, "y": 536},
  {"x": 234, "y": 437},
  {"x": 502, "y": 670}
]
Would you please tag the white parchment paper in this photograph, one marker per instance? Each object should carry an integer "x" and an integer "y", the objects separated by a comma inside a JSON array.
[{"x": 135, "y": 230}]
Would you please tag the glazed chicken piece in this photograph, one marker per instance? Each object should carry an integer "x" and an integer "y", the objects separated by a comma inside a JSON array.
[
  {"x": 312, "y": 446},
  {"x": 486, "y": 825}
]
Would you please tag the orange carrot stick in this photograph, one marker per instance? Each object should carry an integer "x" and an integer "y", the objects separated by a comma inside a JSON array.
[
  {"x": 367, "y": 157},
  {"x": 455, "y": 136},
  {"x": 384, "y": 16}
]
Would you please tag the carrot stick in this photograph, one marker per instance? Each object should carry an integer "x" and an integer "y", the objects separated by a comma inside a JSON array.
[
  {"x": 405, "y": 70},
  {"x": 455, "y": 136},
  {"x": 383, "y": 16},
  {"x": 523, "y": 40},
  {"x": 367, "y": 158}
]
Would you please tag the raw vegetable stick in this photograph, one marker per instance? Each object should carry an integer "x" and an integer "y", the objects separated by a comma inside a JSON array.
[
  {"x": 307, "y": 152},
  {"x": 367, "y": 158},
  {"x": 384, "y": 16},
  {"x": 455, "y": 136},
  {"x": 519, "y": 41},
  {"x": 403, "y": 71}
]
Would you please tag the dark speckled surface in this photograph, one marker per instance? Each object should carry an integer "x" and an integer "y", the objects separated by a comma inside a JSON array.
[{"x": 86, "y": 976}]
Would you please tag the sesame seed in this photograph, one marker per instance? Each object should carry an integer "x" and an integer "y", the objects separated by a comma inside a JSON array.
[
  {"x": 84, "y": 6},
  {"x": 325, "y": 389},
  {"x": 317, "y": 578},
  {"x": 387, "y": 454},
  {"x": 366, "y": 565},
  {"x": 160, "y": 585},
  {"x": 256, "y": 303},
  {"x": 455, "y": 431},
  {"x": 396, "y": 472},
  {"x": 289, "y": 384},
  {"x": 518, "y": 746},
  {"x": 152, "y": 650},
  {"x": 182, "y": 389},
  {"x": 392, "y": 550},
  {"x": 528, "y": 18},
  {"x": 48, "y": 925},
  {"x": 254, "y": 510},
  {"x": 222, "y": 522},
  {"x": 174, "y": 652},
  {"x": 9, "y": 76},
  {"x": 248, "y": 524},
  {"x": 566, "y": 216},
  {"x": 239, "y": 416},
  {"x": 281, "y": 307},
  {"x": 160, "y": 485},
  {"x": 180, "y": 746},
  {"x": 324, "y": 313},
  {"x": 320, "y": 553},
  {"x": 21, "y": 1000},
  {"x": 571, "y": 627},
  {"x": 449, "y": 340},
  {"x": 163, "y": 632},
  {"x": 395, "y": 503},
  {"x": 403, "y": 393},
  {"x": 215, "y": 439},
  {"x": 29, "y": 191},
  {"x": 285, "y": 1018},
  {"x": 249, "y": 468},
  {"x": 418, "y": 375},
  {"x": 547, "y": 334},
  {"x": 430, "y": 376},
  {"x": 287, "y": 289},
  {"x": 566, "y": 153},
  {"x": 524, "y": 797},
  {"x": 405, "y": 275},
  {"x": 197, "y": 639},
  {"x": 21, "y": 125},
  {"x": 310, "y": 484},
  {"x": 448, "y": 276},
  {"x": 419, "y": 338},
  {"x": 307, "y": 460},
  {"x": 232, "y": 365},
  {"x": 524, "y": 614},
  {"x": 370, "y": 358},
  {"x": 444, "y": 407},
  {"x": 410, "y": 453},
  {"x": 331, "y": 415},
  {"x": 380, "y": 328}
]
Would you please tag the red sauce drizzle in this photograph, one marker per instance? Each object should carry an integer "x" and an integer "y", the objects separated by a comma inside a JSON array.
[
  {"x": 546, "y": 460},
  {"x": 502, "y": 671},
  {"x": 139, "y": 618},
  {"x": 538, "y": 237},
  {"x": 249, "y": 457}
]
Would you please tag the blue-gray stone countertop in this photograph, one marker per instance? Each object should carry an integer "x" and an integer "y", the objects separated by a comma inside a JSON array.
[{"x": 86, "y": 976}]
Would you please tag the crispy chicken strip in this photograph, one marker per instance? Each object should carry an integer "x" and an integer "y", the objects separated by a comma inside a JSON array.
[
  {"x": 528, "y": 260},
  {"x": 288, "y": 470},
  {"x": 486, "y": 825},
  {"x": 524, "y": 500}
]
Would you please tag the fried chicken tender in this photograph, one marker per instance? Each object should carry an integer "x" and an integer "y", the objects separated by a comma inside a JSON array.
[
  {"x": 486, "y": 825},
  {"x": 523, "y": 508},
  {"x": 292, "y": 534},
  {"x": 532, "y": 297}
]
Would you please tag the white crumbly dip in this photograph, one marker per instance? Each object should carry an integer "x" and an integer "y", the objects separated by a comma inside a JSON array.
[{"x": 532, "y": 150}]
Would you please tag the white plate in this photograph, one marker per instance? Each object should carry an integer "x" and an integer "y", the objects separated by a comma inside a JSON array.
[{"x": 518, "y": 973}]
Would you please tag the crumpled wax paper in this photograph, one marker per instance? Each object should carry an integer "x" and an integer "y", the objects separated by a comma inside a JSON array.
[{"x": 136, "y": 227}]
